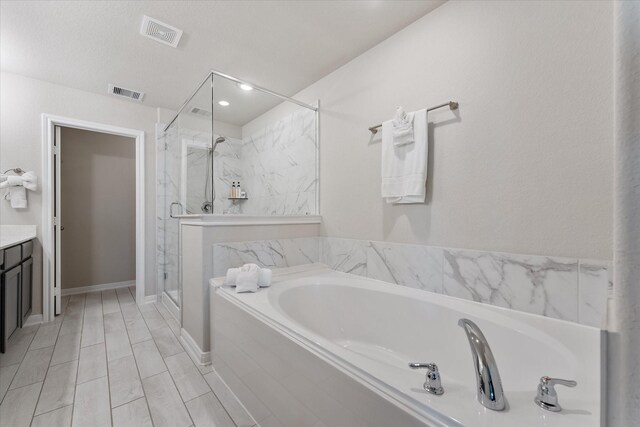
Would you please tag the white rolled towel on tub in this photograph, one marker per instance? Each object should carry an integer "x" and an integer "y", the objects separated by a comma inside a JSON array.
[
  {"x": 247, "y": 279},
  {"x": 265, "y": 278},
  {"x": 232, "y": 276}
]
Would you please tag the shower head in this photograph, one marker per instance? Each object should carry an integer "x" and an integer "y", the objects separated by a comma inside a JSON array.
[{"x": 220, "y": 139}]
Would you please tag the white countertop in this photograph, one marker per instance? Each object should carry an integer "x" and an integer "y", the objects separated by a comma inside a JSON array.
[{"x": 13, "y": 234}]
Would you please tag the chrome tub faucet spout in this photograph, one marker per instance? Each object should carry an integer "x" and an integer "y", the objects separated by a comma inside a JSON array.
[{"x": 489, "y": 385}]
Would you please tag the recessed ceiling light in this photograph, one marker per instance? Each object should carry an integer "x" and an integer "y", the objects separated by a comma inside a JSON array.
[
  {"x": 224, "y": 103},
  {"x": 245, "y": 86}
]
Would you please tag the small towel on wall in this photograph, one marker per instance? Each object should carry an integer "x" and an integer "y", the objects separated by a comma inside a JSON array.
[
  {"x": 17, "y": 196},
  {"x": 17, "y": 187},
  {"x": 404, "y": 167},
  {"x": 402, "y": 128},
  {"x": 30, "y": 180}
]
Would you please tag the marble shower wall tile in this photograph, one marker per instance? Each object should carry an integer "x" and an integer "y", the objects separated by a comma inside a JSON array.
[
  {"x": 534, "y": 284},
  {"x": 346, "y": 255},
  {"x": 415, "y": 266},
  {"x": 227, "y": 169},
  {"x": 595, "y": 283},
  {"x": 279, "y": 167},
  {"x": 266, "y": 253}
]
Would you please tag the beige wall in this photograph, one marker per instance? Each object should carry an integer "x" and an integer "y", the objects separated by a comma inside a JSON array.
[
  {"x": 98, "y": 208},
  {"x": 526, "y": 167},
  {"x": 22, "y": 102}
]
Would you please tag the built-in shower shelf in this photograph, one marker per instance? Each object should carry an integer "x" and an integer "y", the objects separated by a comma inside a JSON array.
[{"x": 237, "y": 199}]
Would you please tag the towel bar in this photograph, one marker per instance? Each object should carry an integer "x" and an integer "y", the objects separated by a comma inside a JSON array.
[{"x": 451, "y": 104}]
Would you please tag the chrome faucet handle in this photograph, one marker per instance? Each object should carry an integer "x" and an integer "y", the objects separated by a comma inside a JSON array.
[
  {"x": 547, "y": 398},
  {"x": 432, "y": 382}
]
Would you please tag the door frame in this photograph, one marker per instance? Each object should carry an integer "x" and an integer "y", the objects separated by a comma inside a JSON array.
[{"x": 49, "y": 122}]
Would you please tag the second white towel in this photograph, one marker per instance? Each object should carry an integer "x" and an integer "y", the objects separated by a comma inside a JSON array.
[
  {"x": 17, "y": 196},
  {"x": 404, "y": 167}
]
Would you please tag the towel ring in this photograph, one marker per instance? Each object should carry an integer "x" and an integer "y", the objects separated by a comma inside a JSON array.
[{"x": 17, "y": 171}]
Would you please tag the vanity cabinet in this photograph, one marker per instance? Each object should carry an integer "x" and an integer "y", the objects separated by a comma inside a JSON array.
[
  {"x": 26, "y": 290},
  {"x": 11, "y": 280},
  {"x": 16, "y": 289}
]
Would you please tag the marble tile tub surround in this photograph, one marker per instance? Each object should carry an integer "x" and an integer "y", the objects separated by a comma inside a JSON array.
[
  {"x": 275, "y": 253},
  {"x": 562, "y": 288}
]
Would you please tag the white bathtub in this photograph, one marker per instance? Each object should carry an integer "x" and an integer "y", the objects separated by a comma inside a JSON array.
[{"x": 367, "y": 331}]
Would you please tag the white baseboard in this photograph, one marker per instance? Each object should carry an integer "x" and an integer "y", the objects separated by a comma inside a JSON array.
[
  {"x": 34, "y": 319},
  {"x": 149, "y": 299},
  {"x": 197, "y": 355},
  {"x": 96, "y": 288},
  {"x": 171, "y": 307}
]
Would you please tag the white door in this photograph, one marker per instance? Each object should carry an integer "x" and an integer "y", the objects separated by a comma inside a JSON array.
[{"x": 57, "y": 227}]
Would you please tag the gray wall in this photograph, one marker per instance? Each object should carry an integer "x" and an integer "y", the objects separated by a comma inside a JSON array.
[
  {"x": 98, "y": 198},
  {"x": 23, "y": 101},
  {"x": 527, "y": 165}
]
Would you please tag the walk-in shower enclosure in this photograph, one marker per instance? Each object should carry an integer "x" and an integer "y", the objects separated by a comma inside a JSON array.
[{"x": 228, "y": 132}]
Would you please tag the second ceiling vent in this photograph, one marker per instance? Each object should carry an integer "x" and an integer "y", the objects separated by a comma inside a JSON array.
[
  {"x": 160, "y": 32},
  {"x": 134, "y": 95}
]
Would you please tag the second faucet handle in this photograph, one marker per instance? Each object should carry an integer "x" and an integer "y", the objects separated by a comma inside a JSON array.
[
  {"x": 547, "y": 398},
  {"x": 432, "y": 382}
]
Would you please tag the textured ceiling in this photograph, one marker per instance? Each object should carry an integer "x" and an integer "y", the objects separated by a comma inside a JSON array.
[{"x": 281, "y": 45}]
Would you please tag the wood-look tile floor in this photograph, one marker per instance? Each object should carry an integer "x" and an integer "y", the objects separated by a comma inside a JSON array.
[{"x": 109, "y": 362}]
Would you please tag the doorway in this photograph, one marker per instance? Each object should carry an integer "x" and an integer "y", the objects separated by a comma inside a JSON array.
[
  {"x": 93, "y": 210},
  {"x": 96, "y": 194}
]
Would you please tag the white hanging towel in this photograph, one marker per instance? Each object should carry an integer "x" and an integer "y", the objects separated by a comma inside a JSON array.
[
  {"x": 402, "y": 128},
  {"x": 404, "y": 166},
  {"x": 17, "y": 187},
  {"x": 30, "y": 180},
  {"x": 17, "y": 196}
]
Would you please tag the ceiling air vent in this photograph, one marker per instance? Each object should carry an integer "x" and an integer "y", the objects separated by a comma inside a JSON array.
[
  {"x": 200, "y": 112},
  {"x": 126, "y": 93},
  {"x": 160, "y": 32}
]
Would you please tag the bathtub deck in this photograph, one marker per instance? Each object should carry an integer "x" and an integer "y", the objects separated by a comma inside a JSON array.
[{"x": 106, "y": 361}]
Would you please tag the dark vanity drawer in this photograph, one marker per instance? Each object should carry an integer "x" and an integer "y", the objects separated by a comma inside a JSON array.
[
  {"x": 27, "y": 249},
  {"x": 11, "y": 257}
]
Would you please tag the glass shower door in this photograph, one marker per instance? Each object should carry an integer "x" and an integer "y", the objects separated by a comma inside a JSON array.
[{"x": 186, "y": 181}]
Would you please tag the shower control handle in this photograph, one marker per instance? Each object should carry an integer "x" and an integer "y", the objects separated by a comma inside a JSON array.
[{"x": 432, "y": 383}]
